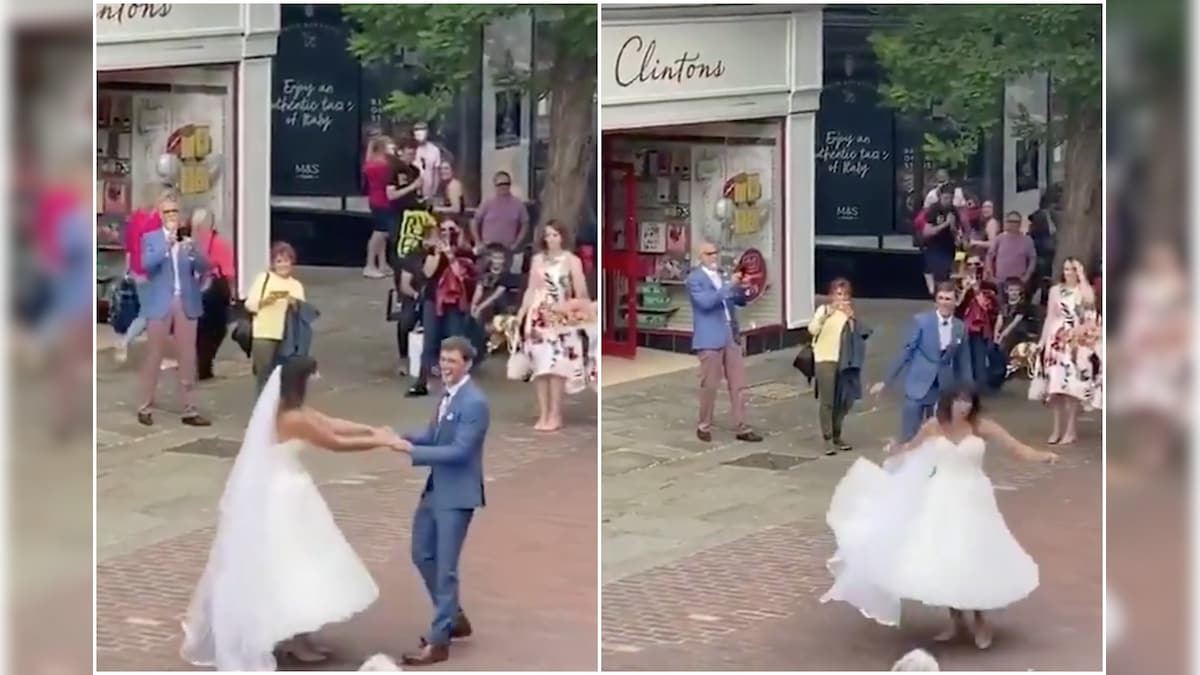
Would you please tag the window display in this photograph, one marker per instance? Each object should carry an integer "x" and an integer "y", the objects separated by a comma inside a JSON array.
[
  {"x": 150, "y": 135},
  {"x": 716, "y": 182}
]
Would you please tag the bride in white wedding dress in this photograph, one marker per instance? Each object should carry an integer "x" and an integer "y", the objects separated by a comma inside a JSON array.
[
  {"x": 926, "y": 527},
  {"x": 279, "y": 568}
]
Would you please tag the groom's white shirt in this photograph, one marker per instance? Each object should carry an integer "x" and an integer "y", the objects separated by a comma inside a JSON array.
[{"x": 444, "y": 405}]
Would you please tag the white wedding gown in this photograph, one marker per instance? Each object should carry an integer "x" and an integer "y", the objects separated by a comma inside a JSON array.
[
  {"x": 924, "y": 527},
  {"x": 279, "y": 564}
]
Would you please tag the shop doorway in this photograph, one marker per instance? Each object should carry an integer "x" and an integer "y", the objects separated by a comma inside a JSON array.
[{"x": 619, "y": 262}]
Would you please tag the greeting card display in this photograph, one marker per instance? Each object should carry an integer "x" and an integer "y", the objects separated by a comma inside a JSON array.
[{"x": 652, "y": 237}]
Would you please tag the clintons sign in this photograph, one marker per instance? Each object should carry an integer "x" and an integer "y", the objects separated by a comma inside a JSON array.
[
  {"x": 692, "y": 58},
  {"x": 134, "y": 21},
  {"x": 638, "y": 61}
]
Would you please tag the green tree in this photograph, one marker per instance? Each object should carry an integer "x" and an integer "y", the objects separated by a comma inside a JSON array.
[
  {"x": 959, "y": 57},
  {"x": 447, "y": 40}
]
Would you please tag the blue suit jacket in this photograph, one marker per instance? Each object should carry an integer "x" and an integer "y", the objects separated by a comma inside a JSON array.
[
  {"x": 922, "y": 361},
  {"x": 711, "y": 328},
  {"x": 453, "y": 450},
  {"x": 157, "y": 292}
]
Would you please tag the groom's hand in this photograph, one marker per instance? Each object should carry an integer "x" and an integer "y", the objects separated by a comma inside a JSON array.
[{"x": 399, "y": 444}]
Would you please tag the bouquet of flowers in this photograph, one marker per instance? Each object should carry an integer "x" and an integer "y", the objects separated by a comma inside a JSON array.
[{"x": 572, "y": 313}]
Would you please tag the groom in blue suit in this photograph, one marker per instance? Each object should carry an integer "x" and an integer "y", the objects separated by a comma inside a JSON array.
[
  {"x": 933, "y": 358},
  {"x": 452, "y": 447}
]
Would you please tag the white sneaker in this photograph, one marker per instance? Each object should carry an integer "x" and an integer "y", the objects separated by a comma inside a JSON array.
[
  {"x": 121, "y": 352},
  {"x": 169, "y": 364},
  {"x": 370, "y": 272}
]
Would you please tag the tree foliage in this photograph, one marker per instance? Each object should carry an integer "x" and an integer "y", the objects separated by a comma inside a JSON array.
[{"x": 957, "y": 59}]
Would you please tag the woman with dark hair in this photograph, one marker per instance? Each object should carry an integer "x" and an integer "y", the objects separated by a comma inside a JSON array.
[
  {"x": 279, "y": 568},
  {"x": 552, "y": 344},
  {"x": 839, "y": 350},
  {"x": 897, "y": 526}
]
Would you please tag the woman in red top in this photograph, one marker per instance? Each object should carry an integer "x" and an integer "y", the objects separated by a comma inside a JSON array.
[{"x": 377, "y": 172}]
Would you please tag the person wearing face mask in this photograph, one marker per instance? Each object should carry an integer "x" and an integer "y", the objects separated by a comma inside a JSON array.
[
  {"x": 934, "y": 358},
  {"x": 428, "y": 158},
  {"x": 930, "y": 529},
  {"x": 172, "y": 304},
  {"x": 1071, "y": 366}
]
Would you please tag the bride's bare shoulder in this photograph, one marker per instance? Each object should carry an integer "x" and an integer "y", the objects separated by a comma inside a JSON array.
[{"x": 293, "y": 424}]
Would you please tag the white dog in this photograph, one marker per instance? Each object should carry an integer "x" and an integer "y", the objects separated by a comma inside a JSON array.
[
  {"x": 380, "y": 663},
  {"x": 918, "y": 660}
]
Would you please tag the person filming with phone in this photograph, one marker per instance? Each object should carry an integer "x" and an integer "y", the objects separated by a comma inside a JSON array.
[
  {"x": 268, "y": 300},
  {"x": 449, "y": 271}
]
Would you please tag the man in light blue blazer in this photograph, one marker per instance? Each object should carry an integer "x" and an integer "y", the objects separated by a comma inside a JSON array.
[
  {"x": 715, "y": 295},
  {"x": 452, "y": 447},
  {"x": 171, "y": 304},
  {"x": 934, "y": 358}
]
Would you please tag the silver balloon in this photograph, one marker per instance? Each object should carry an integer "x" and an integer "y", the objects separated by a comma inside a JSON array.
[
  {"x": 724, "y": 211},
  {"x": 168, "y": 168},
  {"x": 215, "y": 163}
]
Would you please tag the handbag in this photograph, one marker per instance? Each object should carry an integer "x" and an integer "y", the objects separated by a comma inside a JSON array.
[
  {"x": 519, "y": 366},
  {"x": 806, "y": 361},
  {"x": 243, "y": 328}
]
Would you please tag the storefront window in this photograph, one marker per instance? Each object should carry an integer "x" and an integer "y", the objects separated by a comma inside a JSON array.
[
  {"x": 159, "y": 128},
  {"x": 720, "y": 182}
]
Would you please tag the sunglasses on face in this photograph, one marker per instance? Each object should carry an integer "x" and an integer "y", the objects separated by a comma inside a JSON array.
[
  {"x": 503, "y": 184},
  {"x": 170, "y": 212}
]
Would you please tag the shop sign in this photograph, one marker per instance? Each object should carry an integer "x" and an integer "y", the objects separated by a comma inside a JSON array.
[
  {"x": 129, "y": 21},
  {"x": 692, "y": 59},
  {"x": 753, "y": 267}
]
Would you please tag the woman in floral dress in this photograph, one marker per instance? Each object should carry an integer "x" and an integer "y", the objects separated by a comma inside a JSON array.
[
  {"x": 1071, "y": 351},
  {"x": 553, "y": 339}
]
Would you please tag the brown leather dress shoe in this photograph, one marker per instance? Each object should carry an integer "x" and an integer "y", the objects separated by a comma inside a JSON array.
[
  {"x": 705, "y": 436},
  {"x": 461, "y": 629},
  {"x": 427, "y": 656}
]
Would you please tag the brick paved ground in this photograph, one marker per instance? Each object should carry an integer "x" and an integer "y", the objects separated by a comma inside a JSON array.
[
  {"x": 529, "y": 569},
  {"x": 712, "y": 566}
]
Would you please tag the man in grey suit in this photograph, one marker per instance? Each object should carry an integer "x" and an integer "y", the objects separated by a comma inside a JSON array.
[{"x": 452, "y": 447}]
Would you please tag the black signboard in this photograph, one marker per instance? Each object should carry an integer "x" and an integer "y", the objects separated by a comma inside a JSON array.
[
  {"x": 855, "y": 162},
  {"x": 315, "y": 145}
]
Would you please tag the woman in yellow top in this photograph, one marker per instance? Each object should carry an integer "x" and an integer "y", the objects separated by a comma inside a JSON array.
[
  {"x": 270, "y": 295},
  {"x": 826, "y": 327}
]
